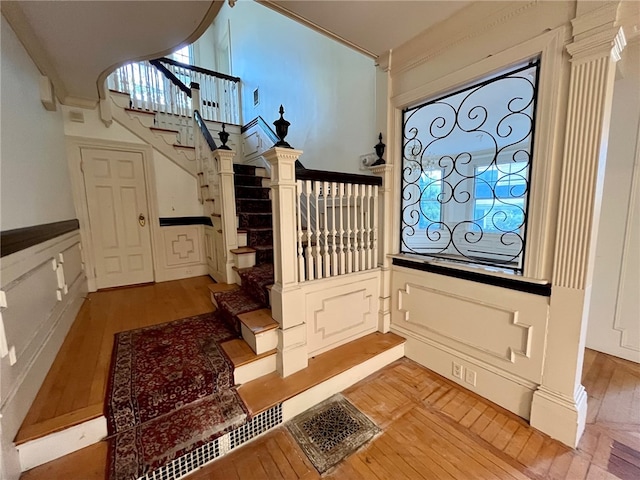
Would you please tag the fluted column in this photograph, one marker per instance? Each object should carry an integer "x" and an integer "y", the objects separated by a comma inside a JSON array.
[
  {"x": 560, "y": 404},
  {"x": 224, "y": 162},
  {"x": 287, "y": 303}
]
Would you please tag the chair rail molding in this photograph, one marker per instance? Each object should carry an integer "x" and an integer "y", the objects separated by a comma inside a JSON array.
[{"x": 559, "y": 405}]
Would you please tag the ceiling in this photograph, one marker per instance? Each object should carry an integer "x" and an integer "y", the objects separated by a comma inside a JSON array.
[
  {"x": 373, "y": 27},
  {"x": 67, "y": 39}
]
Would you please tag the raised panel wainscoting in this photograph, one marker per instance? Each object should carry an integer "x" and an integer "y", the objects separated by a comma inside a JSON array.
[
  {"x": 496, "y": 335},
  {"x": 182, "y": 250}
]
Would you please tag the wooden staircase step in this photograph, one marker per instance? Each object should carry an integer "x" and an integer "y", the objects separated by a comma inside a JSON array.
[
  {"x": 240, "y": 353},
  {"x": 269, "y": 390},
  {"x": 243, "y": 250},
  {"x": 258, "y": 321},
  {"x": 221, "y": 287}
]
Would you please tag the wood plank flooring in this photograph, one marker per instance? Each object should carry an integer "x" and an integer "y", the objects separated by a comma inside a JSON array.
[
  {"x": 74, "y": 389},
  {"x": 434, "y": 429},
  {"x": 431, "y": 428}
]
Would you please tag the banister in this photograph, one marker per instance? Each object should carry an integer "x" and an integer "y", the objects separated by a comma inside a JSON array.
[
  {"x": 338, "y": 177},
  {"x": 169, "y": 74},
  {"x": 197, "y": 69},
  {"x": 205, "y": 131}
]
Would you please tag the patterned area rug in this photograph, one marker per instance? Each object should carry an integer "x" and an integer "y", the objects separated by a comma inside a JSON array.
[
  {"x": 331, "y": 431},
  {"x": 170, "y": 390}
]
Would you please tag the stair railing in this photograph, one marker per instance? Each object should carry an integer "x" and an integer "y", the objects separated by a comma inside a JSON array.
[
  {"x": 219, "y": 93},
  {"x": 217, "y": 194},
  {"x": 160, "y": 85},
  {"x": 337, "y": 223}
]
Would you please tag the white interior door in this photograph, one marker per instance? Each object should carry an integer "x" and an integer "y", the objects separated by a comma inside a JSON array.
[{"x": 118, "y": 216}]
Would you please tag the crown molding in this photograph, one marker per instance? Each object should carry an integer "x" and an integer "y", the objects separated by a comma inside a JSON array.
[
  {"x": 414, "y": 57},
  {"x": 314, "y": 26}
]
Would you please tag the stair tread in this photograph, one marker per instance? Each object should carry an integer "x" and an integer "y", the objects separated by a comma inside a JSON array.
[
  {"x": 236, "y": 302},
  {"x": 269, "y": 390},
  {"x": 243, "y": 250},
  {"x": 186, "y": 147},
  {"x": 135, "y": 110},
  {"x": 258, "y": 321},
  {"x": 222, "y": 287},
  {"x": 262, "y": 247},
  {"x": 56, "y": 424},
  {"x": 158, "y": 129},
  {"x": 240, "y": 353}
]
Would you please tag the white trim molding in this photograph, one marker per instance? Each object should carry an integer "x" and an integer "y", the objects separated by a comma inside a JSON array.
[{"x": 559, "y": 405}]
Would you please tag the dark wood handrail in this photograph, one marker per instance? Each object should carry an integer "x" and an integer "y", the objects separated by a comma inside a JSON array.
[
  {"x": 338, "y": 177},
  {"x": 169, "y": 74},
  {"x": 197, "y": 69},
  {"x": 205, "y": 131}
]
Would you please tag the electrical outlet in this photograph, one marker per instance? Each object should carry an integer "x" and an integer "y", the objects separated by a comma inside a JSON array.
[
  {"x": 457, "y": 370},
  {"x": 470, "y": 377}
]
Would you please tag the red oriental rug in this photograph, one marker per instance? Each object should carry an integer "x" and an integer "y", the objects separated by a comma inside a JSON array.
[{"x": 170, "y": 391}]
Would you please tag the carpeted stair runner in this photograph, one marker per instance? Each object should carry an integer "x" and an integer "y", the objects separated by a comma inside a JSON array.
[{"x": 253, "y": 207}]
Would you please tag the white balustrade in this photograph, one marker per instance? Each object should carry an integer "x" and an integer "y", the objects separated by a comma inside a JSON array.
[
  {"x": 151, "y": 89},
  {"x": 337, "y": 228}
]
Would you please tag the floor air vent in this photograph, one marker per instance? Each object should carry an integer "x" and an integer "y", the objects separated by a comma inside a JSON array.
[{"x": 219, "y": 447}]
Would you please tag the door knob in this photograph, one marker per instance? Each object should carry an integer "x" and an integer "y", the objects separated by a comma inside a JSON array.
[{"x": 141, "y": 220}]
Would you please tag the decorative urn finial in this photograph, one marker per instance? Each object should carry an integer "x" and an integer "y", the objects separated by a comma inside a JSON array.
[
  {"x": 379, "y": 148},
  {"x": 282, "y": 128},
  {"x": 224, "y": 137}
]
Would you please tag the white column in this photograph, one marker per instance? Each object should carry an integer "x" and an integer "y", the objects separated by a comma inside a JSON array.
[
  {"x": 560, "y": 404},
  {"x": 385, "y": 239},
  {"x": 224, "y": 162},
  {"x": 287, "y": 301}
]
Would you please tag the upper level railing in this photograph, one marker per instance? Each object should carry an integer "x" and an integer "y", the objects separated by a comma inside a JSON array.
[{"x": 161, "y": 85}]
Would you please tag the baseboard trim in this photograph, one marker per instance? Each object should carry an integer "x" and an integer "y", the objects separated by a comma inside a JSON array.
[{"x": 514, "y": 394}]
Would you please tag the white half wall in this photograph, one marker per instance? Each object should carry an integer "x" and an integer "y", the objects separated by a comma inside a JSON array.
[
  {"x": 34, "y": 187},
  {"x": 44, "y": 286}
]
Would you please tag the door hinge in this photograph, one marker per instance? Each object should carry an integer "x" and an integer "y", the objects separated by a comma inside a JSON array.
[{"x": 95, "y": 273}]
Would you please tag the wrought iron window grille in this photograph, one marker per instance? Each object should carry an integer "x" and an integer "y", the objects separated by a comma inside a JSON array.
[{"x": 466, "y": 171}]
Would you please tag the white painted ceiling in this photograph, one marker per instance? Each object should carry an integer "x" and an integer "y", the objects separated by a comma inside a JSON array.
[
  {"x": 375, "y": 26},
  {"x": 76, "y": 42}
]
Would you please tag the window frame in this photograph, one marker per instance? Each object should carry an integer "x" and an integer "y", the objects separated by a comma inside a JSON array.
[{"x": 546, "y": 160}]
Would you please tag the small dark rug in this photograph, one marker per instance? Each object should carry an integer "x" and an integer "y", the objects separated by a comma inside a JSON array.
[
  {"x": 331, "y": 431},
  {"x": 170, "y": 391}
]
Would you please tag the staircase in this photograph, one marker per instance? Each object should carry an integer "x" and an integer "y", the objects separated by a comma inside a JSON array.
[{"x": 245, "y": 306}]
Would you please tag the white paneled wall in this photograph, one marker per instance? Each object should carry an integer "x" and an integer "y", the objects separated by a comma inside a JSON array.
[
  {"x": 340, "y": 309},
  {"x": 181, "y": 252},
  {"x": 42, "y": 290}
]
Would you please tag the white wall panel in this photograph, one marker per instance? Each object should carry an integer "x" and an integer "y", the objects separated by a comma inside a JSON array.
[
  {"x": 496, "y": 326},
  {"x": 340, "y": 309}
]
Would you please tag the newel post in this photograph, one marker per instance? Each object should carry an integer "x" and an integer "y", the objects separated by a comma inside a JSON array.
[
  {"x": 559, "y": 404},
  {"x": 224, "y": 162},
  {"x": 287, "y": 302}
]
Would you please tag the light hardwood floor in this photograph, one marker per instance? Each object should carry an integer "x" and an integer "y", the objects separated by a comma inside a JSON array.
[
  {"x": 432, "y": 428},
  {"x": 74, "y": 389}
]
